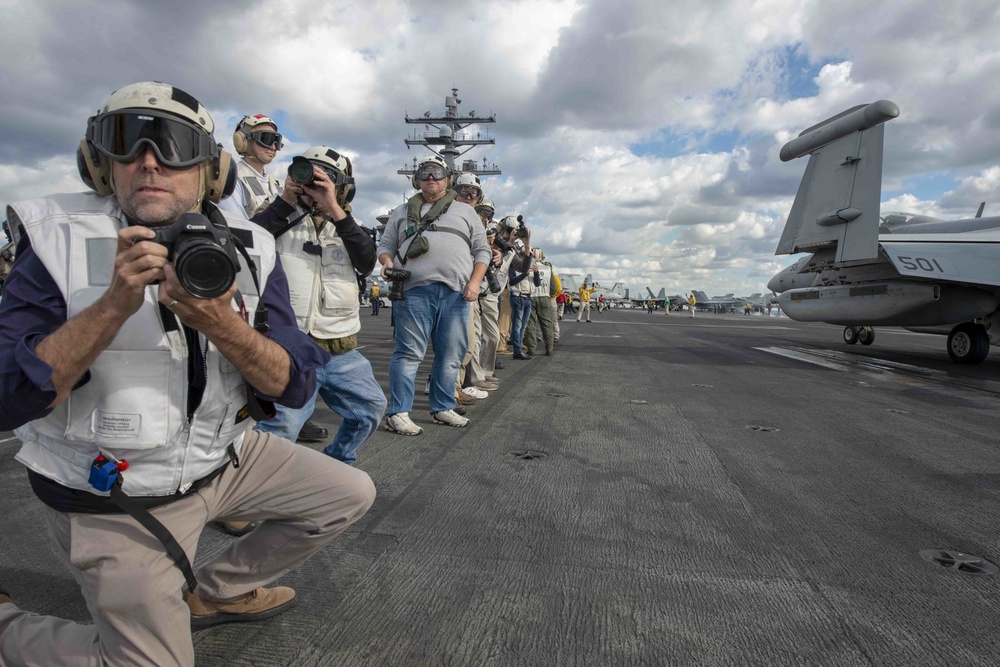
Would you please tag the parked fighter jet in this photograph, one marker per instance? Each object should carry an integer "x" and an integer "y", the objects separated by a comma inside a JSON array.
[
  {"x": 921, "y": 274},
  {"x": 610, "y": 295},
  {"x": 676, "y": 300}
]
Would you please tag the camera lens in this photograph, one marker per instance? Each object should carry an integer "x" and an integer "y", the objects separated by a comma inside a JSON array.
[
  {"x": 301, "y": 171},
  {"x": 203, "y": 268}
]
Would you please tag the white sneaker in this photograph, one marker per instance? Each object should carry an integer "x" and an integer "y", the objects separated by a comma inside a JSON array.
[
  {"x": 475, "y": 393},
  {"x": 427, "y": 387},
  {"x": 402, "y": 424},
  {"x": 449, "y": 418},
  {"x": 483, "y": 385}
]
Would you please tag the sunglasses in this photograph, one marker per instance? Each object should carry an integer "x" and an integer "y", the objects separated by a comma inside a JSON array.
[
  {"x": 176, "y": 143},
  {"x": 429, "y": 171},
  {"x": 268, "y": 139}
]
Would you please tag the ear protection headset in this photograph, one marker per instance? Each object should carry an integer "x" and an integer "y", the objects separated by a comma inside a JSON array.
[{"x": 242, "y": 141}]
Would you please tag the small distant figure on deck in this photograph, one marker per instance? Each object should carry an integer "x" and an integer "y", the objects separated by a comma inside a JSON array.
[
  {"x": 746, "y": 309},
  {"x": 650, "y": 306},
  {"x": 373, "y": 296},
  {"x": 692, "y": 302}
]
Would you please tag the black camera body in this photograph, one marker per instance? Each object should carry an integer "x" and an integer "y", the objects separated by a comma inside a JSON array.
[
  {"x": 204, "y": 259},
  {"x": 493, "y": 281},
  {"x": 397, "y": 277}
]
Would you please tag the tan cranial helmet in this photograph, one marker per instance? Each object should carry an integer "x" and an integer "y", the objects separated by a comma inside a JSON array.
[
  {"x": 337, "y": 166},
  {"x": 248, "y": 125},
  {"x": 159, "y": 117},
  {"x": 468, "y": 179},
  {"x": 434, "y": 164}
]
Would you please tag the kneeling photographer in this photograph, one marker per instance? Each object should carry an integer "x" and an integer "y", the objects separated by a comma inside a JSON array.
[
  {"x": 325, "y": 254},
  {"x": 442, "y": 244}
]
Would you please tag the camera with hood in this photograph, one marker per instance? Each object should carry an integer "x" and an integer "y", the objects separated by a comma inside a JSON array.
[
  {"x": 204, "y": 259},
  {"x": 515, "y": 224},
  {"x": 397, "y": 277}
]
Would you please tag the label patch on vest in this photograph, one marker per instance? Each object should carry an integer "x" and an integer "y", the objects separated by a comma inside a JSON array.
[
  {"x": 243, "y": 414},
  {"x": 100, "y": 261},
  {"x": 116, "y": 424}
]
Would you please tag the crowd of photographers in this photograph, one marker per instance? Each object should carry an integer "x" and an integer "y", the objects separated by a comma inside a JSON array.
[{"x": 191, "y": 293}]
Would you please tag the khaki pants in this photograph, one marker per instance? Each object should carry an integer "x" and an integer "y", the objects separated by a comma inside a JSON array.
[
  {"x": 133, "y": 589},
  {"x": 491, "y": 334},
  {"x": 584, "y": 310},
  {"x": 504, "y": 323},
  {"x": 472, "y": 351}
]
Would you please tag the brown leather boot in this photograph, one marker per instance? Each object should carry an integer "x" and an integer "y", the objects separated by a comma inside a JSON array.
[
  {"x": 237, "y": 528},
  {"x": 254, "y": 606}
]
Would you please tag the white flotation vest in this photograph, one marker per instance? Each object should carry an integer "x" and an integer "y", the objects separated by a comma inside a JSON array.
[
  {"x": 544, "y": 276},
  {"x": 322, "y": 282},
  {"x": 261, "y": 190},
  {"x": 135, "y": 405}
]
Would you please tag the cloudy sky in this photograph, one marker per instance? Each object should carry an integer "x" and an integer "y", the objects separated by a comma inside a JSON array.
[{"x": 639, "y": 140}]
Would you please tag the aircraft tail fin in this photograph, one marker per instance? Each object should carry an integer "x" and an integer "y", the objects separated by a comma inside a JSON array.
[
  {"x": 700, "y": 297},
  {"x": 838, "y": 199}
]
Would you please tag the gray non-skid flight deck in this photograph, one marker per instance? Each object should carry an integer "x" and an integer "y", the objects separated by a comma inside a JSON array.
[{"x": 723, "y": 490}]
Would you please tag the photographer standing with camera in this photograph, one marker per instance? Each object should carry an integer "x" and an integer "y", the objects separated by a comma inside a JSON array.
[
  {"x": 324, "y": 253},
  {"x": 133, "y": 397},
  {"x": 434, "y": 252}
]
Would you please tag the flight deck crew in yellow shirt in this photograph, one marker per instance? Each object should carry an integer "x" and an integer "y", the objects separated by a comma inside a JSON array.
[{"x": 584, "y": 301}]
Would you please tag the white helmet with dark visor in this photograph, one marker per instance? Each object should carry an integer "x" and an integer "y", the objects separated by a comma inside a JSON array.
[{"x": 156, "y": 115}]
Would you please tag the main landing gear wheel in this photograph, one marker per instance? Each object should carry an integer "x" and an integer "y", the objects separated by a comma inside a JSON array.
[
  {"x": 968, "y": 343},
  {"x": 866, "y": 336},
  {"x": 851, "y": 335}
]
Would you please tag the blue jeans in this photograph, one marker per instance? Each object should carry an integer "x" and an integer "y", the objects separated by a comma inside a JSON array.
[
  {"x": 520, "y": 311},
  {"x": 348, "y": 387},
  {"x": 434, "y": 313}
]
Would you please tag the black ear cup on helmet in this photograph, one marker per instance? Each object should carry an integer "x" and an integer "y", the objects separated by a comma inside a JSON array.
[
  {"x": 349, "y": 189},
  {"x": 94, "y": 168}
]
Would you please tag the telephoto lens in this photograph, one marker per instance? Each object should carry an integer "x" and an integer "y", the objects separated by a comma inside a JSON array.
[
  {"x": 301, "y": 170},
  {"x": 491, "y": 279}
]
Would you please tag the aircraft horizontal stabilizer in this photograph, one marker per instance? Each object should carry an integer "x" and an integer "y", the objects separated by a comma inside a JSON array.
[{"x": 838, "y": 199}]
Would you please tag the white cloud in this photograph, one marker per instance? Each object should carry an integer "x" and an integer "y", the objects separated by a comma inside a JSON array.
[{"x": 609, "y": 114}]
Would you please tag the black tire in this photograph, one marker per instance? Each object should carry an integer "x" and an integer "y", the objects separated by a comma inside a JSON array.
[
  {"x": 968, "y": 343},
  {"x": 866, "y": 336},
  {"x": 851, "y": 335}
]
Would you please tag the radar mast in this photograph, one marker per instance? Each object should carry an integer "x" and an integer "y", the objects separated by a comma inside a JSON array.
[{"x": 446, "y": 137}]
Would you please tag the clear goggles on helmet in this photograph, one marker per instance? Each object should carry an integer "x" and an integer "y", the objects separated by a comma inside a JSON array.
[
  {"x": 268, "y": 139},
  {"x": 485, "y": 213},
  {"x": 430, "y": 170},
  {"x": 468, "y": 191},
  {"x": 122, "y": 135}
]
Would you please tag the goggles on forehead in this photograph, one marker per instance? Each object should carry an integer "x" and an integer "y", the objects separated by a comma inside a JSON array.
[
  {"x": 468, "y": 191},
  {"x": 121, "y": 136},
  {"x": 430, "y": 170},
  {"x": 268, "y": 139}
]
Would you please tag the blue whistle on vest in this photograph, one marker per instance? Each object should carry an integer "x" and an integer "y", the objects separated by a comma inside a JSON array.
[{"x": 104, "y": 472}]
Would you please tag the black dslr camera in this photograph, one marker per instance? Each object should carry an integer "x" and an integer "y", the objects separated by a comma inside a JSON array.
[
  {"x": 301, "y": 171},
  {"x": 493, "y": 281},
  {"x": 204, "y": 259},
  {"x": 397, "y": 277}
]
